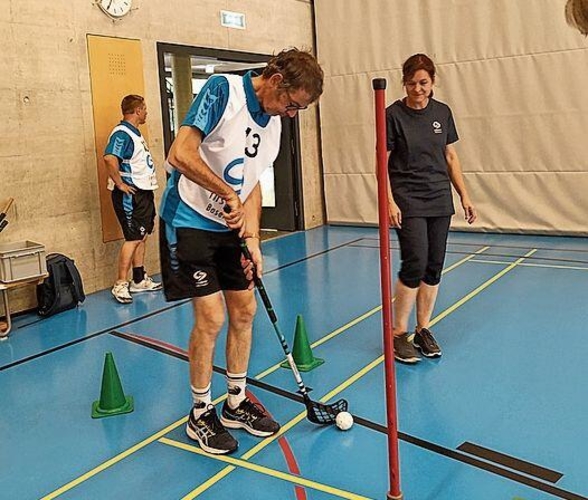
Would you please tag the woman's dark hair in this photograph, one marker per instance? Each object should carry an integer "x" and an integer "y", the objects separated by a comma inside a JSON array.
[{"x": 416, "y": 63}]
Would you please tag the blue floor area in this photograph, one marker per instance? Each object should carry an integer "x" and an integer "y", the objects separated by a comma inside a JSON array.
[{"x": 510, "y": 318}]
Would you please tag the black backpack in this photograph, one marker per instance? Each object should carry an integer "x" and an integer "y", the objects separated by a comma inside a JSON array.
[{"x": 62, "y": 289}]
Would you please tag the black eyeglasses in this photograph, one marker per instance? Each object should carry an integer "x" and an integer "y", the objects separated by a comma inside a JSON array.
[{"x": 295, "y": 107}]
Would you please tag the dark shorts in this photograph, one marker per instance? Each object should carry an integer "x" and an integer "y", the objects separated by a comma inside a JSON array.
[
  {"x": 197, "y": 263},
  {"x": 423, "y": 241},
  {"x": 135, "y": 213}
]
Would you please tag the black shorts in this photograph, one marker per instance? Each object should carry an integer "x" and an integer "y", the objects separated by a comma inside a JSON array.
[
  {"x": 135, "y": 213},
  {"x": 423, "y": 242},
  {"x": 196, "y": 263}
]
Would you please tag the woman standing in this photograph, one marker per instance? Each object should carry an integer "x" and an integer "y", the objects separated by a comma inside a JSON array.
[{"x": 422, "y": 166}]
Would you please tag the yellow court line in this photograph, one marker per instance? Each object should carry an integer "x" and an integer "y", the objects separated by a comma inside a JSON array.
[
  {"x": 482, "y": 287},
  {"x": 236, "y": 462},
  {"x": 548, "y": 266},
  {"x": 435, "y": 320},
  {"x": 377, "y": 308},
  {"x": 121, "y": 456},
  {"x": 366, "y": 315},
  {"x": 351, "y": 380},
  {"x": 246, "y": 456},
  {"x": 464, "y": 260},
  {"x": 113, "y": 460},
  {"x": 329, "y": 336},
  {"x": 354, "y": 378}
]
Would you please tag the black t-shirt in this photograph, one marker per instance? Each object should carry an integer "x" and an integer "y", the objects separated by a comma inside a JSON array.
[{"x": 417, "y": 167}]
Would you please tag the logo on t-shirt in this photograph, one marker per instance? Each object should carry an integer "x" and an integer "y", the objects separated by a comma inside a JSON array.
[
  {"x": 203, "y": 114},
  {"x": 437, "y": 128},
  {"x": 117, "y": 148}
]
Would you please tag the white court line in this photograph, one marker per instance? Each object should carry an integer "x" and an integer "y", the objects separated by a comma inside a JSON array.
[{"x": 547, "y": 266}]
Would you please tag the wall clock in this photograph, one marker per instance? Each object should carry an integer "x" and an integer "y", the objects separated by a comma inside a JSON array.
[{"x": 116, "y": 9}]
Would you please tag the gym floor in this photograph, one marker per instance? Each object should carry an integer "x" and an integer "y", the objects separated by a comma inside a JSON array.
[{"x": 501, "y": 416}]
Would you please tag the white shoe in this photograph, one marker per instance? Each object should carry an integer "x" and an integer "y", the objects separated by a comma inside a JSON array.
[
  {"x": 120, "y": 291},
  {"x": 145, "y": 285}
]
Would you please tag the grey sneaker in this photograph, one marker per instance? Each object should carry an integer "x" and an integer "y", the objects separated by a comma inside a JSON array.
[
  {"x": 404, "y": 349},
  {"x": 426, "y": 343},
  {"x": 249, "y": 416},
  {"x": 120, "y": 292},
  {"x": 145, "y": 285},
  {"x": 210, "y": 433}
]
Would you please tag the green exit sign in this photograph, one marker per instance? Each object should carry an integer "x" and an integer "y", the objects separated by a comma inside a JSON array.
[{"x": 232, "y": 19}]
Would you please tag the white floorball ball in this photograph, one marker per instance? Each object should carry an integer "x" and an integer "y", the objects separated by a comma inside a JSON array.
[{"x": 344, "y": 420}]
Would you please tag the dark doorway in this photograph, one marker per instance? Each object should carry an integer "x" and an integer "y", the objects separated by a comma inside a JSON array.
[
  {"x": 285, "y": 211},
  {"x": 281, "y": 185}
]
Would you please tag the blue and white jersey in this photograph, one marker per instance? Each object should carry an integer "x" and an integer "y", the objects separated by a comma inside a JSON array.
[
  {"x": 239, "y": 143},
  {"x": 135, "y": 162}
]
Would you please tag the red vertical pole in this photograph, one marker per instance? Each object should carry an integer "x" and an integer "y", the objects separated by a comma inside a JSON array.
[{"x": 379, "y": 85}]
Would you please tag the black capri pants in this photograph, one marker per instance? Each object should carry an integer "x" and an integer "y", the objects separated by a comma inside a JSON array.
[{"x": 423, "y": 241}]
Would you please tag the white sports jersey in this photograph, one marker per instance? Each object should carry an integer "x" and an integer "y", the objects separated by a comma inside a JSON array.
[
  {"x": 139, "y": 169},
  {"x": 238, "y": 150}
]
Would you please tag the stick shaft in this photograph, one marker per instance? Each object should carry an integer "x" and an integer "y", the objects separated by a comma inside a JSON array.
[{"x": 274, "y": 320}]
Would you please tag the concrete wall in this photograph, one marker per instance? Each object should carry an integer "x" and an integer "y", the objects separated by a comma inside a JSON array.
[{"x": 47, "y": 152}]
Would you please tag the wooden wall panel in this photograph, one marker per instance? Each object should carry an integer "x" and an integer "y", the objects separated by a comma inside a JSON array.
[{"x": 116, "y": 70}]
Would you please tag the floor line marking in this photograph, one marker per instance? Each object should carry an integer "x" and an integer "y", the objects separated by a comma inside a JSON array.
[
  {"x": 505, "y": 255},
  {"x": 350, "y": 380},
  {"x": 121, "y": 456},
  {"x": 105, "y": 465},
  {"x": 495, "y": 245},
  {"x": 510, "y": 461},
  {"x": 481, "y": 288},
  {"x": 329, "y": 336},
  {"x": 236, "y": 462},
  {"x": 246, "y": 456},
  {"x": 491, "y": 467},
  {"x": 434, "y": 321},
  {"x": 480, "y": 261},
  {"x": 150, "y": 314},
  {"x": 366, "y": 315},
  {"x": 114, "y": 460}
]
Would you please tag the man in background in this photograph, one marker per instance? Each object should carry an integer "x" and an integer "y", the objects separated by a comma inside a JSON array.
[{"x": 132, "y": 181}]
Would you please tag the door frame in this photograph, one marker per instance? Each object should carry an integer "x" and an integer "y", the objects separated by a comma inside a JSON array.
[{"x": 235, "y": 56}]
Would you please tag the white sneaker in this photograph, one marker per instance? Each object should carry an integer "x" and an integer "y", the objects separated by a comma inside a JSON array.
[
  {"x": 120, "y": 291},
  {"x": 145, "y": 285}
]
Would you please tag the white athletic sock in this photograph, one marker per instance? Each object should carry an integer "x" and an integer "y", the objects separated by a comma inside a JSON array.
[
  {"x": 236, "y": 383},
  {"x": 202, "y": 398}
]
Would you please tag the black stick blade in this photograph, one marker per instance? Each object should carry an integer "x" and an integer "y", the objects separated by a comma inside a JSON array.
[{"x": 322, "y": 414}]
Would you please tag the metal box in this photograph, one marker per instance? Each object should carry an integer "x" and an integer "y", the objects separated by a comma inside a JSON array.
[{"x": 22, "y": 260}]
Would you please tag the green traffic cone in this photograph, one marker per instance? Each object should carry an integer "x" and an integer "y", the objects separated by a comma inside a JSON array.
[
  {"x": 112, "y": 398},
  {"x": 301, "y": 352}
]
